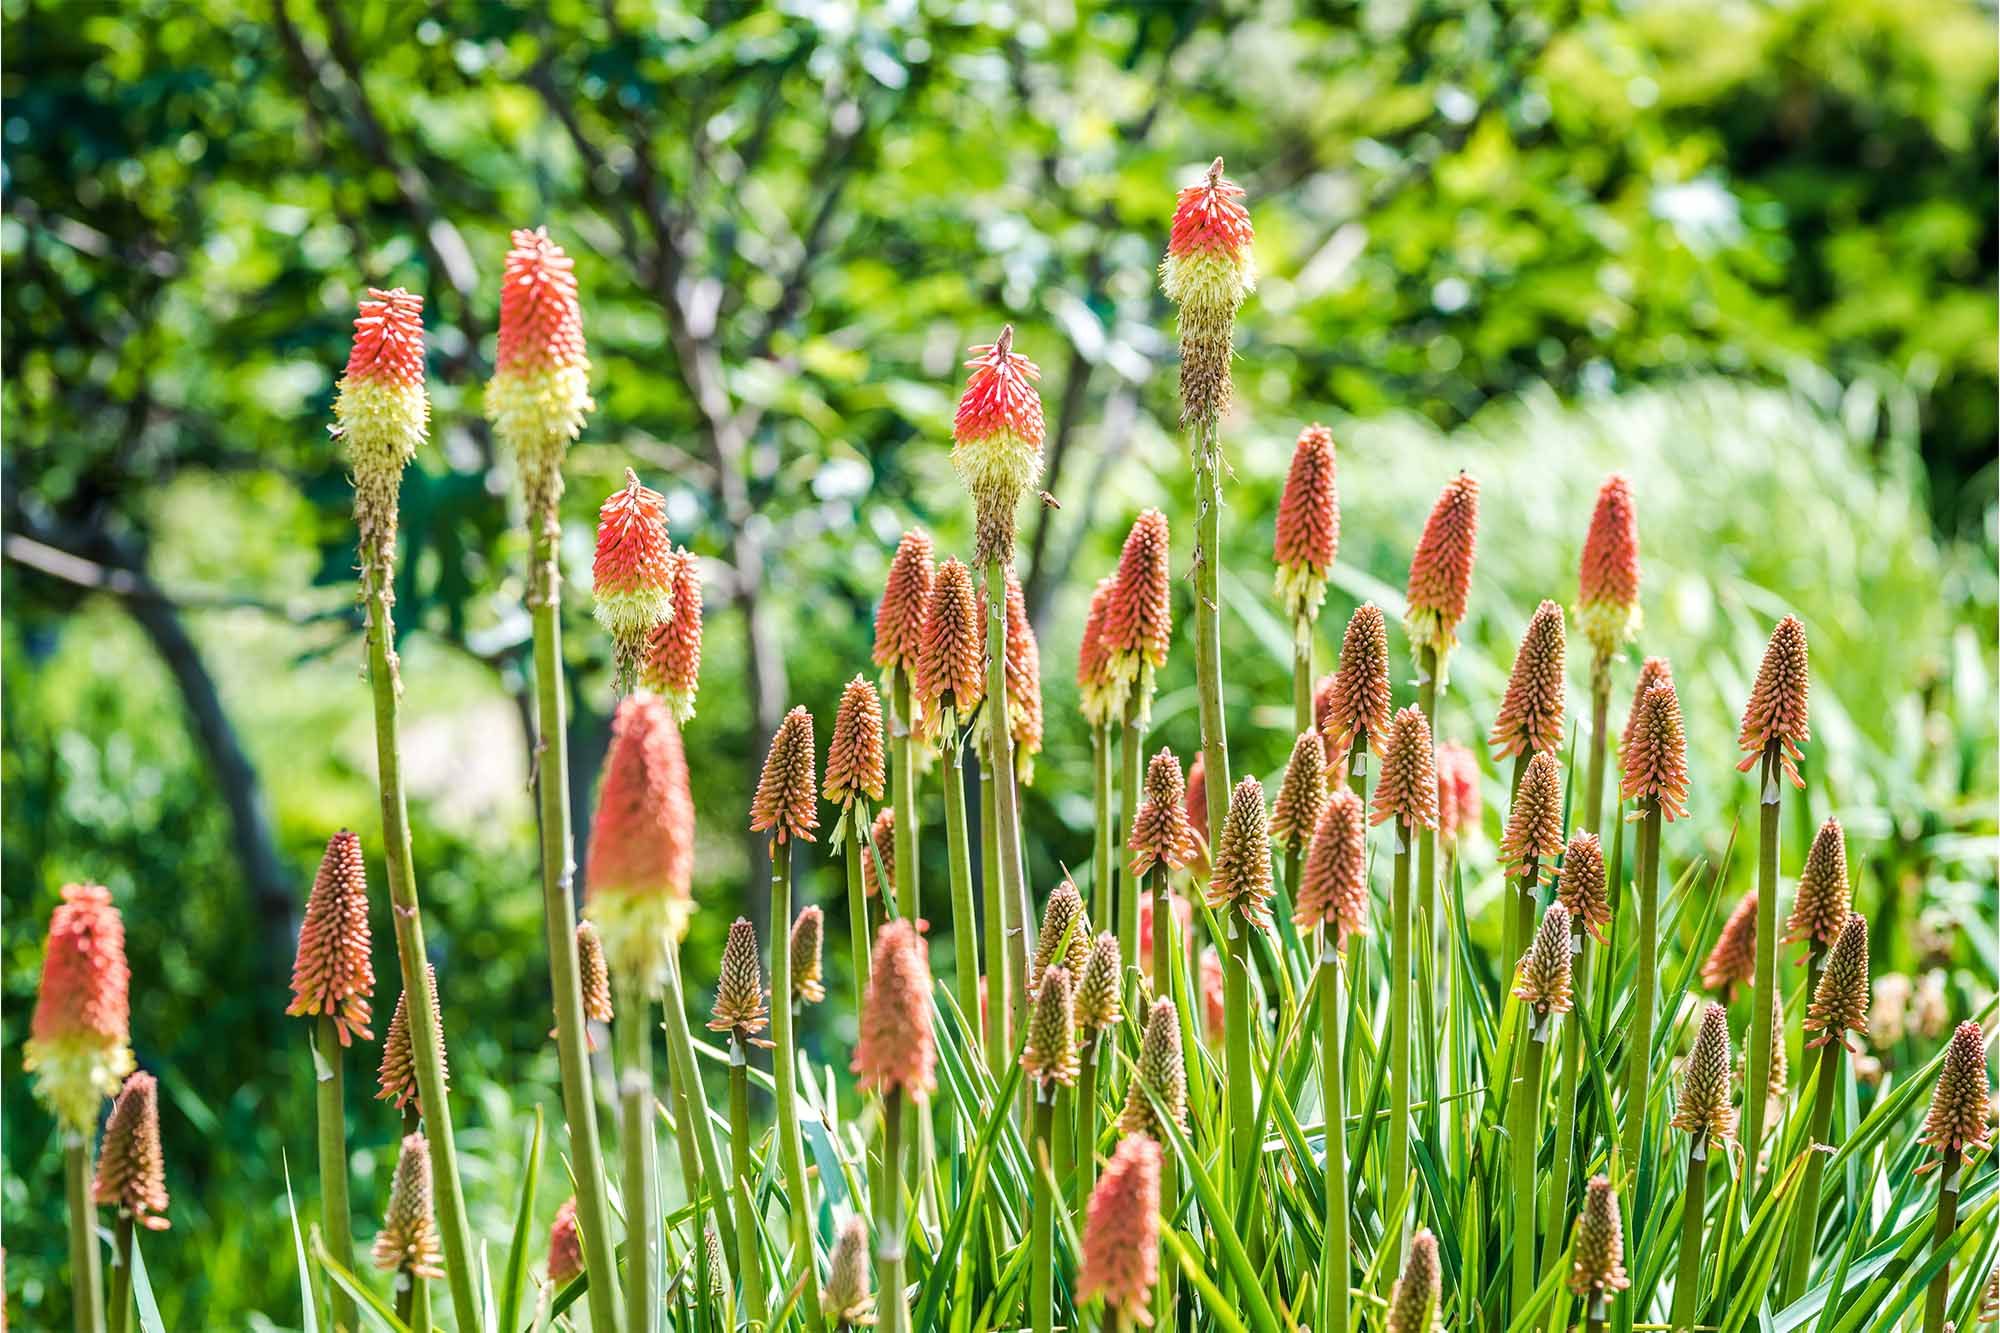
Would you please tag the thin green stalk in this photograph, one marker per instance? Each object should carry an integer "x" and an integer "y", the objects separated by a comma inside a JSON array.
[
  {"x": 1207, "y": 613},
  {"x": 408, "y": 1284},
  {"x": 1302, "y": 677},
  {"x": 1238, "y": 1062},
  {"x": 1006, "y": 804},
  {"x": 1334, "y": 1252},
  {"x": 1106, "y": 839},
  {"x": 1694, "y": 1200},
  {"x": 1131, "y": 742},
  {"x": 1941, "y": 1228},
  {"x": 1397, "y": 1150},
  {"x": 1429, "y": 664},
  {"x": 1163, "y": 933},
  {"x": 1569, "y": 1080},
  {"x": 1764, "y": 982},
  {"x": 857, "y": 903},
  {"x": 86, "y": 1275},
  {"x": 1591, "y": 816},
  {"x": 694, "y": 1123},
  {"x": 997, "y": 918},
  {"x": 696, "y": 1184},
  {"x": 749, "y": 1269},
  {"x": 891, "y": 1300},
  {"x": 118, "y": 1307},
  {"x": 635, "y": 1141},
  {"x": 453, "y": 1228},
  {"x": 909, "y": 901},
  {"x": 335, "y": 1213},
  {"x": 1805, "y": 1222},
  {"x": 1041, "y": 1255},
  {"x": 1525, "y": 1132},
  {"x": 1082, "y": 1145},
  {"x": 1518, "y": 925},
  {"x": 791, "y": 1149},
  {"x": 1639, "y": 1040},
  {"x": 958, "y": 859}
]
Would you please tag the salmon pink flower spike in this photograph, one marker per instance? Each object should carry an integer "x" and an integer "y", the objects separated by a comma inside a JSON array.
[
  {"x": 1208, "y": 270},
  {"x": 1407, "y": 792},
  {"x": 1598, "y": 1270},
  {"x": 131, "y": 1168},
  {"x": 632, "y": 573},
  {"x": 854, "y": 761},
  {"x": 1961, "y": 1114},
  {"x": 1138, "y": 617},
  {"x": 1064, "y": 940},
  {"x": 882, "y": 835},
  {"x": 1441, "y": 571},
  {"x": 1240, "y": 880},
  {"x": 1024, "y": 681},
  {"x": 1160, "y": 835},
  {"x": 1651, "y": 672},
  {"x": 739, "y": 987},
  {"x": 1840, "y": 1005},
  {"x": 1823, "y": 898},
  {"x": 672, "y": 667},
  {"x": 1607, "y": 584},
  {"x": 1333, "y": 886},
  {"x": 786, "y": 803},
  {"x": 896, "y": 1051},
  {"x": 1531, "y": 714},
  {"x": 1733, "y": 960},
  {"x": 1534, "y": 836},
  {"x": 1774, "y": 721},
  {"x": 1097, "y": 699},
  {"x": 1414, "y": 1300},
  {"x": 1542, "y": 977},
  {"x": 1352, "y": 705},
  {"x": 332, "y": 973},
  {"x": 1581, "y": 886},
  {"x": 1162, "y": 1073},
  {"x": 408, "y": 1242},
  {"x": 1301, "y": 796},
  {"x": 1121, "y": 1236},
  {"x": 951, "y": 667},
  {"x": 396, "y": 1079},
  {"x": 997, "y": 441},
  {"x": 899, "y": 616},
  {"x": 637, "y": 884},
  {"x": 80, "y": 1043},
  {"x": 1308, "y": 537},
  {"x": 1097, "y": 987},
  {"x": 1458, "y": 792},
  {"x": 1704, "y": 1108},
  {"x": 540, "y": 388},
  {"x": 381, "y": 413},
  {"x": 808, "y": 934},
  {"x": 565, "y": 1247},
  {"x": 1656, "y": 757}
]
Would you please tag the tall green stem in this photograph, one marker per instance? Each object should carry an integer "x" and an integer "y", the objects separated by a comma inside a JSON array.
[
  {"x": 453, "y": 1228},
  {"x": 997, "y": 917},
  {"x": 1694, "y": 1201},
  {"x": 635, "y": 1141},
  {"x": 1238, "y": 1065},
  {"x": 791, "y": 1149},
  {"x": 749, "y": 1268},
  {"x": 1334, "y": 1251},
  {"x": 86, "y": 1268},
  {"x": 1429, "y": 665},
  {"x": 909, "y": 901},
  {"x": 1639, "y": 1041},
  {"x": 1400, "y": 962},
  {"x": 1041, "y": 1255},
  {"x": 118, "y": 1307},
  {"x": 1518, "y": 923},
  {"x": 1081, "y": 1148},
  {"x": 1302, "y": 677},
  {"x": 1525, "y": 1132},
  {"x": 891, "y": 1300},
  {"x": 1207, "y": 613},
  {"x": 1591, "y": 817},
  {"x": 958, "y": 859},
  {"x": 335, "y": 1213},
  {"x": 1941, "y": 1228},
  {"x": 694, "y": 1122},
  {"x": 857, "y": 902},
  {"x": 1006, "y": 806},
  {"x": 1764, "y": 982},
  {"x": 1130, "y": 745},
  {"x": 1805, "y": 1222},
  {"x": 1104, "y": 845}
]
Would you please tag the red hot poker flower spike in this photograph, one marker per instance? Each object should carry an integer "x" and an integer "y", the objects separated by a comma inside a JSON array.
[
  {"x": 332, "y": 973},
  {"x": 1407, "y": 792},
  {"x": 896, "y": 1051},
  {"x": 1093, "y": 677},
  {"x": 1353, "y": 703},
  {"x": 899, "y": 616},
  {"x": 1240, "y": 880},
  {"x": 786, "y": 803},
  {"x": 1138, "y": 615},
  {"x": 1458, "y": 792},
  {"x": 1840, "y": 1005},
  {"x": 80, "y": 1042},
  {"x": 396, "y": 1079},
  {"x": 997, "y": 440},
  {"x": 382, "y": 414},
  {"x": 1531, "y": 715},
  {"x": 1733, "y": 960},
  {"x": 1308, "y": 537},
  {"x": 408, "y": 1241},
  {"x": 131, "y": 1168},
  {"x": 1656, "y": 762},
  {"x": 1121, "y": 1237},
  {"x": 1441, "y": 570},
  {"x": 1774, "y": 721},
  {"x": 1208, "y": 271},
  {"x": 673, "y": 655},
  {"x": 1333, "y": 886},
  {"x": 540, "y": 388},
  {"x": 951, "y": 668},
  {"x": 565, "y": 1247},
  {"x": 1160, "y": 832},
  {"x": 1823, "y": 898},
  {"x": 854, "y": 760},
  {"x": 1607, "y": 584},
  {"x": 1534, "y": 837},
  {"x": 1581, "y": 886},
  {"x": 637, "y": 883},
  {"x": 1301, "y": 796},
  {"x": 632, "y": 573},
  {"x": 1961, "y": 1114},
  {"x": 1651, "y": 672}
]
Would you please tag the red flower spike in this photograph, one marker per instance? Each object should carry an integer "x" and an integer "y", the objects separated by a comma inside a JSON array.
[
  {"x": 332, "y": 973},
  {"x": 1407, "y": 792},
  {"x": 540, "y": 388},
  {"x": 1607, "y": 583},
  {"x": 1121, "y": 1236},
  {"x": 381, "y": 412},
  {"x": 896, "y": 1051},
  {"x": 1333, "y": 885},
  {"x": 1458, "y": 792},
  {"x": 1441, "y": 570},
  {"x": 1651, "y": 672},
  {"x": 565, "y": 1246},
  {"x": 1353, "y": 703},
  {"x": 855, "y": 765},
  {"x": 1308, "y": 538},
  {"x": 997, "y": 440},
  {"x": 672, "y": 667},
  {"x": 951, "y": 668},
  {"x": 1774, "y": 721},
  {"x": 632, "y": 573},
  {"x": 786, "y": 804},
  {"x": 1534, "y": 836},
  {"x": 1531, "y": 714},
  {"x": 80, "y": 1041},
  {"x": 637, "y": 882},
  {"x": 1212, "y": 1014},
  {"x": 1138, "y": 616},
  {"x": 1656, "y": 762},
  {"x": 1207, "y": 272},
  {"x": 131, "y": 1168},
  {"x": 899, "y": 616}
]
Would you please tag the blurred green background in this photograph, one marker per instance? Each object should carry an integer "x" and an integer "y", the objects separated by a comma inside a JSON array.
[{"x": 1743, "y": 252}]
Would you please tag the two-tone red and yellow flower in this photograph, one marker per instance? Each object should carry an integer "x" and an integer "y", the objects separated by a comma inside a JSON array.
[
  {"x": 1138, "y": 617},
  {"x": 1308, "y": 537},
  {"x": 1208, "y": 270},
  {"x": 672, "y": 668},
  {"x": 540, "y": 388},
  {"x": 632, "y": 572},
  {"x": 997, "y": 440},
  {"x": 641, "y": 864},
  {"x": 80, "y": 1041},
  {"x": 381, "y": 412}
]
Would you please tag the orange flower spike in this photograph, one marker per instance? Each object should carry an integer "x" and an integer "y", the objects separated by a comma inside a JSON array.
[
  {"x": 1774, "y": 721},
  {"x": 1458, "y": 792},
  {"x": 1823, "y": 898},
  {"x": 1656, "y": 761},
  {"x": 1607, "y": 584},
  {"x": 1093, "y": 658},
  {"x": 997, "y": 440},
  {"x": 1308, "y": 538},
  {"x": 1733, "y": 960},
  {"x": 1301, "y": 796},
  {"x": 896, "y": 1050},
  {"x": 1534, "y": 821},
  {"x": 1138, "y": 615},
  {"x": 1441, "y": 570},
  {"x": 79, "y": 1044},
  {"x": 396, "y": 1079},
  {"x": 632, "y": 573},
  {"x": 1121, "y": 1236},
  {"x": 855, "y": 765},
  {"x": 1651, "y": 672},
  {"x": 1024, "y": 679},
  {"x": 1840, "y": 1005},
  {"x": 1531, "y": 714},
  {"x": 672, "y": 667},
  {"x": 408, "y": 1242},
  {"x": 1208, "y": 270},
  {"x": 131, "y": 1168},
  {"x": 565, "y": 1247},
  {"x": 1581, "y": 887},
  {"x": 882, "y": 835},
  {"x": 1542, "y": 977},
  {"x": 786, "y": 804},
  {"x": 899, "y": 616},
  {"x": 540, "y": 388},
  {"x": 1961, "y": 1115},
  {"x": 1333, "y": 886},
  {"x": 1408, "y": 789},
  {"x": 381, "y": 412},
  {"x": 1240, "y": 879},
  {"x": 1161, "y": 836},
  {"x": 332, "y": 973},
  {"x": 1354, "y": 703},
  {"x": 951, "y": 668},
  {"x": 641, "y": 864}
]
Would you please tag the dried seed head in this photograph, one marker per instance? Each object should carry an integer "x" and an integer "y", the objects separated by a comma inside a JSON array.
[
  {"x": 1093, "y": 659},
  {"x": 1441, "y": 570},
  {"x": 1531, "y": 714},
  {"x": 1961, "y": 1114},
  {"x": 882, "y": 840},
  {"x": 565, "y": 1246},
  {"x": 739, "y": 986},
  {"x": 1024, "y": 682},
  {"x": 540, "y": 388},
  {"x": 1065, "y": 936},
  {"x": 808, "y": 933},
  {"x": 332, "y": 973},
  {"x": 396, "y": 1079},
  {"x": 1458, "y": 792},
  {"x": 1353, "y": 703},
  {"x": 1599, "y": 1266},
  {"x": 1161, "y": 1077},
  {"x": 1704, "y": 1106},
  {"x": 997, "y": 440},
  {"x": 1534, "y": 836},
  {"x": 1161, "y": 835},
  {"x": 899, "y": 616},
  {"x": 1301, "y": 796},
  {"x": 1733, "y": 960},
  {"x": 786, "y": 802},
  {"x": 408, "y": 1242},
  {"x": 1212, "y": 990},
  {"x": 1408, "y": 789},
  {"x": 845, "y": 1297},
  {"x": 1208, "y": 271},
  {"x": 896, "y": 1050},
  {"x": 1333, "y": 884},
  {"x": 641, "y": 864},
  {"x": 1049, "y": 1055},
  {"x": 1823, "y": 898},
  {"x": 1137, "y": 623},
  {"x": 632, "y": 573},
  {"x": 672, "y": 667},
  {"x": 854, "y": 761},
  {"x": 1097, "y": 987},
  {"x": 1581, "y": 886},
  {"x": 1774, "y": 721},
  {"x": 131, "y": 1168},
  {"x": 381, "y": 413},
  {"x": 951, "y": 668},
  {"x": 80, "y": 1043},
  {"x": 1308, "y": 525},
  {"x": 1651, "y": 672},
  {"x": 1121, "y": 1237},
  {"x": 1607, "y": 584},
  {"x": 1240, "y": 880},
  {"x": 1656, "y": 759},
  {"x": 1840, "y": 1005},
  {"x": 1541, "y": 980},
  {"x": 1414, "y": 1300}
]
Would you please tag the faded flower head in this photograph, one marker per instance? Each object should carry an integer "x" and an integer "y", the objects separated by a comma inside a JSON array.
[
  {"x": 641, "y": 862},
  {"x": 540, "y": 388},
  {"x": 1840, "y": 1005},
  {"x": 1408, "y": 791},
  {"x": 1414, "y": 1300},
  {"x": 396, "y": 1079},
  {"x": 1733, "y": 960},
  {"x": 1162, "y": 1073},
  {"x": 1581, "y": 886},
  {"x": 1065, "y": 935},
  {"x": 786, "y": 803},
  {"x": 1599, "y": 1266},
  {"x": 1774, "y": 721},
  {"x": 565, "y": 1246},
  {"x": 1441, "y": 570},
  {"x": 1823, "y": 897},
  {"x": 1459, "y": 805},
  {"x": 80, "y": 1042},
  {"x": 131, "y": 1168},
  {"x": 896, "y": 1051},
  {"x": 740, "y": 1009},
  {"x": 845, "y": 1297},
  {"x": 1353, "y": 703},
  {"x": 1704, "y": 1106},
  {"x": 408, "y": 1241},
  {"x": 381, "y": 412},
  {"x": 672, "y": 666},
  {"x": 997, "y": 440},
  {"x": 1651, "y": 672},
  {"x": 1542, "y": 978},
  {"x": 855, "y": 765},
  {"x": 882, "y": 839},
  {"x": 1534, "y": 835},
  {"x": 951, "y": 666},
  {"x": 1161, "y": 836},
  {"x": 1302, "y": 794},
  {"x": 1531, "y": 714},
  {"x": 1308, "y": 525},
  {"x": 1333, "y": 884},
  {"x": 808, "y": 937},
  {"x": 1607, "y": 583},
  {"x": 1049, "y": 1055},
  {"x": 1138, "y": 617},
  {"x": 632, "y": 572},
  {"x": 1656, "y": 754},
  {"x": 1121, "y": 1236},
  {"x": 899, "y": 616},
  {"x": 332, "y": 973},
  {"x": 1961, "y": 1114},
  {"x": 1097, "y": 987},
  {"x": 1208, "y": 271},
  {"x": 1240, "y": 879}
]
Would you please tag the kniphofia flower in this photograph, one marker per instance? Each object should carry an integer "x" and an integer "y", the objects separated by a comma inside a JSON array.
[
  {"x": 1774, "y": 721},
  {"x": 1961, "y": 1114},
  {"x": 1064, "y": 940},
  {"x": 1333, "y": 885},
  {"x": 1823, "y": 898},
  {"x": 1180, "y": 914},
  {"x": 881, "y": 846},
  {"x": 1161, "y": 835},
  {"x": 593, "y": 980},
  {"x": 1651, "y": 672},
  {"x": 637, "y": 881},
  {"x": 540, "y": 388},
  {"x": 1097, "y": 987},
  {"x": 1240, "y": 880},
  {"x": 381, "y": 413},
  {"x": 80, "y": 1041},
  {"x": 1542, "y": 977},
  {"x": 1458, "y": 792},
  {"x": 1049, "y": 1055},
  {"x": 739, "y": 987},
  {"x": 1301, "y": 796},
  {"x": 1207, "y": 272},
  {"x": 896, "y": 1051},
  {"x": 1607, "y": 582},
  {"x": 1121, "y": 1234},
  {"x": 131, "y": 1168},
  {"x": 1024, "y": 680},
  {"x": 1308, "y": 536},
  {"x": 808, "y": 935},
  {"x": 845, "y": 1297},
  {"x": 332, "y": 973},
  {"x": 1534, "y": 834},
  {"x": 1161, "y": 1076},
  {"x": 1531, "y": 714},
  {"x": 1656, "y": 753},
  {"x": 565, "y": 1247},
  {"x": 855, "y": 766},
  {"x": 1581, "y": 886},
  {"x": 408, "y": 1241},
  {"x": 1212, "y": 1014},
  {"x": 1733, "y": 960},
  {"x": 899, "y": 616},
  {"x": 786, "y": 804},
  {"x": 396, "y": 1080},
  {"x": 997, "y": 440},
  {"x": 1093, "y": 680},
  {"x": 1414, "y": 1300},
  {"x": 1408, "y": 791},
  {"x": 1353, "y": 703},
  {"x": 632, "y": 572},
  {"x": 951, "y": 665},
  {"x": 1704, "y": 1107},
  {"x": 1138, "y": 616},
  {"x": 1598, "y": 1268},
  {"x": 672, "y": 668},
  {"x": 1840, "y": 1005},
  {"x": 1441, "y": 571}
]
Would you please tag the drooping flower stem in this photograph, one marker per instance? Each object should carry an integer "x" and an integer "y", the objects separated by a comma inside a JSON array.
[
  {"x": 86, "y": 1268},
  {"x": 791, "y": 1149},
  {"x": 1207, "y": 611},
  {"x": 636, "y": 1144},
  {"x": 1108, "y": 824},
  {"x": 1764, "y": 983},
  {"x": 1805, "y": 1221},
  {"x": 742, "y": 1183},
  {"x": 1942, "y": 1225},
  {"x": 1526, "y": 1136},
  {"x": 455, "y": 1233},
  {"x": 1013, "y": 885},
  {"x": 336, "y": 1221},
  {"x": 1400, "y": 946},
  {"x": 1041, "y": 1254},
  {"x": 1334, "y": 1252},
  {"x": 1694, "y": 1200},
  {"x": 902, "y": 730},
  {"x": 1639, "y": 1040},
  {"x": 1130, "y": 741},
  {"x": 958, "y": 859}
]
